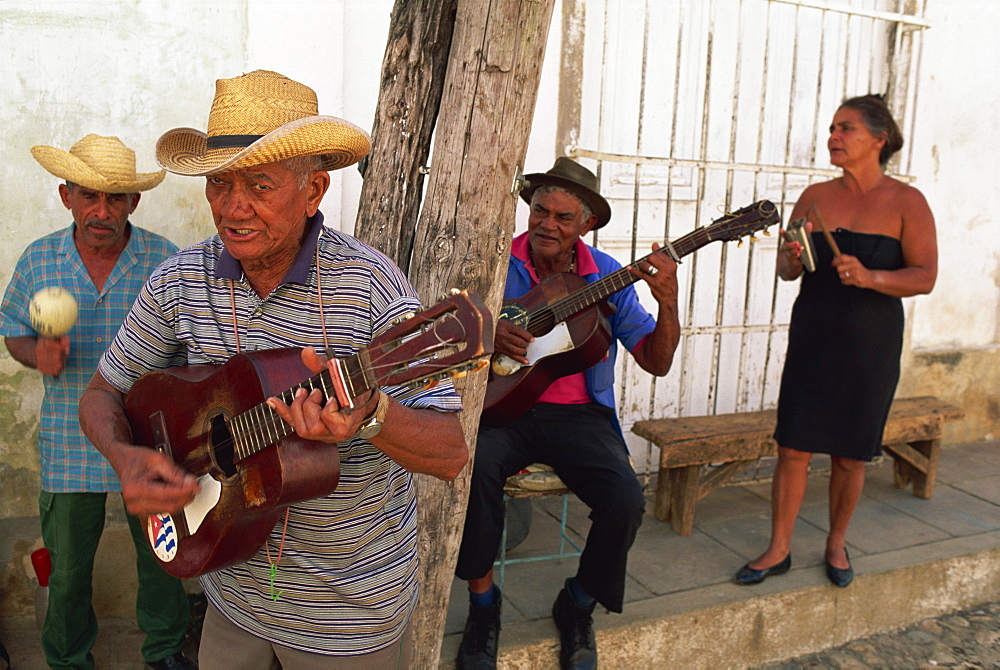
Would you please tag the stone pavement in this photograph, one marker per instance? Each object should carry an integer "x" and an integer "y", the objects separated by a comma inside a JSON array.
[
  {"x": 966, "y": 639},
  {"x": 917, "y": 561}
]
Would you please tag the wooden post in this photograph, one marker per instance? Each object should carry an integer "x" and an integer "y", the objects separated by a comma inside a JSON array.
[
  {"x": 413, "y": 71},
  {"x": 465, "y": 230},
  {"x": 466, "y": 223}
]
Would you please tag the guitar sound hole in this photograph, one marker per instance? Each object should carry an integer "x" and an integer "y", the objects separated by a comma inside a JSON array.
[
  {"x": 222, "y": 446},
  {"x": 541, "y": 323}
]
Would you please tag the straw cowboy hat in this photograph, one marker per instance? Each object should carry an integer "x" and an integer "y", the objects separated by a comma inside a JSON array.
[
  {"x": 261, "y": 117},
  {"x": 101, "y": 163},
  {"x": 576, "y": 179}
]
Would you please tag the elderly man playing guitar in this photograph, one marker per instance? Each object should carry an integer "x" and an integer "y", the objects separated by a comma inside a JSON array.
[
  {"x": 329, "y": 580},
  {"x": 572, "y": 425}
]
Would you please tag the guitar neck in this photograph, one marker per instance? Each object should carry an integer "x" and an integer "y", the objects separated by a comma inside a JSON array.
[
  {"x": 609, "y": 285},
  {"x": 260, "y": 426}
]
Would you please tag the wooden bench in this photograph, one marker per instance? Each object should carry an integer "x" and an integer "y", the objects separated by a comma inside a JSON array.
[{"x": 724, "y": 444}]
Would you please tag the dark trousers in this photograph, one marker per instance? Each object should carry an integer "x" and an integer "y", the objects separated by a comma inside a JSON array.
[
  {"x": 585, "y": 448},
  {"x": 72, "y": 524}
]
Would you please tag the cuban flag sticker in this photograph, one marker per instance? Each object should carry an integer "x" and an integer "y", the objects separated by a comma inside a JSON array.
[{"x": 163, "y": 537}]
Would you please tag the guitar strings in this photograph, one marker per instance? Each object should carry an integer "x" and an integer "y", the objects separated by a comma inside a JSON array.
[
  {"x": 262, "y": 426},
  {"x": 544, "y": 319}
]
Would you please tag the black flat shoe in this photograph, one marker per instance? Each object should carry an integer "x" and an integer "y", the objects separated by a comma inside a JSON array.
[
  {"x": 840, "y": 577},
  {"x": 747, "y": 575}
]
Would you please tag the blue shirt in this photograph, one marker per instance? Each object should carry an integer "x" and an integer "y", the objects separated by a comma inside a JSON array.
[
  {"x": 69, "y": 462},
  {"x": 630, "y": 323}
]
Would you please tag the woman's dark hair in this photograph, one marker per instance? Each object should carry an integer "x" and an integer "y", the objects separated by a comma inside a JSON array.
[{"x": 877, "y": 117}]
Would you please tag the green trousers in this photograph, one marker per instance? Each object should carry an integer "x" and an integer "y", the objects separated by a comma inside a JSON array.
[{"x": 72, "y": 524}]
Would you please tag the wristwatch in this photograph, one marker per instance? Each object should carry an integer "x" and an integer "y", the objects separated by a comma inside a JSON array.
[{"x": 371, "y": 426}]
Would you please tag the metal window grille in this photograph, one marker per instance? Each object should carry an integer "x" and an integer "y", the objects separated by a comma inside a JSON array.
[{"x": 686, "y": 109}]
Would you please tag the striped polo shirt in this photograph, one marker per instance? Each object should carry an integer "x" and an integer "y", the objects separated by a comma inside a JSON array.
[
  {"x": 69, "y": 462},
  {"x": 347, "y": 574}
]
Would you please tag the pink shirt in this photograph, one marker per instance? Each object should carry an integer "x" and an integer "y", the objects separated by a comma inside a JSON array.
[{"x": 572, "y": 389}]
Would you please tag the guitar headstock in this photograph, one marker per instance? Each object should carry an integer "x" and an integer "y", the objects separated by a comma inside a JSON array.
[
  {"x": 447, "y": 339},
  {"x": 744, "y": 221}
]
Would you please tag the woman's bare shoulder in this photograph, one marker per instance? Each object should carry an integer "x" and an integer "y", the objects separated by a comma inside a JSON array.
[{"x": 904, "y": 190}]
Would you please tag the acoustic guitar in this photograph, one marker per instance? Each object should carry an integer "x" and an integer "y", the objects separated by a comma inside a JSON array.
[
  {"x": 569, "y": 319},
  {"x": 214, "y": 422}
]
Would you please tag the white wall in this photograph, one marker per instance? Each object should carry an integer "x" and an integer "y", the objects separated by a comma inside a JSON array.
[
  {"x": 956, "y": 167},
  {"x": 136, "y": 68}
]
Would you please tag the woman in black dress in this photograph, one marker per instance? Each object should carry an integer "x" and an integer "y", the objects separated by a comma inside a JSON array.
[{"x": 846, "y": 330}]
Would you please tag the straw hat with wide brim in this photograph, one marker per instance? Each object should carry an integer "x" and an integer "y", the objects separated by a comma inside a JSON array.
[
  {"x": 570, "y": 175},
  {"x": 261, "y": 117},
  {"x": 101, "y": 163}
]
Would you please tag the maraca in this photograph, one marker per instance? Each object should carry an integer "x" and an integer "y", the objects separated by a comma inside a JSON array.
[{"x": 53, "y": 311}]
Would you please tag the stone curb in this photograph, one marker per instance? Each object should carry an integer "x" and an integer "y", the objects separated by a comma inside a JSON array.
[{"x": 730, "y": 626}]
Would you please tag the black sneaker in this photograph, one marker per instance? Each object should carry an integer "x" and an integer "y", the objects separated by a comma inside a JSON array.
[
  {"x": 480, "y": 640},
  {"x": 576, "y": 632}
]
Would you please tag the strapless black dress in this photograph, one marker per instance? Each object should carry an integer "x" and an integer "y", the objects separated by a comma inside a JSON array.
[{"x": 844, "y": 345}]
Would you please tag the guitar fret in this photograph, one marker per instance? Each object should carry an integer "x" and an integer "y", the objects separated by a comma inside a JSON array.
[
  {"x": 356, "y": 379},
  {"x": 238, "y": 431},
  {"x": 253, "y": 432},
  {"x": 362, "y": 365},
  {"x": 281, "y": 429},
  {"x": 248, "y": 436},
  {"x": 271, "y": 434},
  {"x": 252, "y": 437},
  {"x": 323, "y": 376}
]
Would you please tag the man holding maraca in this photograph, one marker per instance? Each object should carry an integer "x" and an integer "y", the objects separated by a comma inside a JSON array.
[{"x": 67, "y": 297}]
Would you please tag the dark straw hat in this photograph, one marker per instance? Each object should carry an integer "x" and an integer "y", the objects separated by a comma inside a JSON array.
[{"x": 576, "y": 179}]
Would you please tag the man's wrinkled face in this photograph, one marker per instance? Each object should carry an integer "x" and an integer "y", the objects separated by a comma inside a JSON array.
[
  {"x": 260, "y": 212},
  {"x": 555, "y": 223},
  {"x": 100, "y": 217}
]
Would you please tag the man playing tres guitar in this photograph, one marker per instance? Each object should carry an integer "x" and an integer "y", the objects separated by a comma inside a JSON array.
[
  {"x": 573, "y": 426},
  {"x": 335, "y": 582}
]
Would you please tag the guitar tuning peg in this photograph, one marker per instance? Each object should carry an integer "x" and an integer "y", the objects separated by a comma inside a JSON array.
[
  {"x": 739, "y": 245},
  {"x": 752, "y": 239},
  {"x": 767, "y": 233},
  {"x": 454, "y": 291}
]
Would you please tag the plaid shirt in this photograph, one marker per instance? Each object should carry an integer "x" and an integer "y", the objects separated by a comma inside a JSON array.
[
  {"x": 69, "y": 463},
  {"x": 348, "y": 567}
]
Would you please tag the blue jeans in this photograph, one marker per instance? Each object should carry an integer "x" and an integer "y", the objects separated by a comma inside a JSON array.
[{"x": 72, "y": 524}]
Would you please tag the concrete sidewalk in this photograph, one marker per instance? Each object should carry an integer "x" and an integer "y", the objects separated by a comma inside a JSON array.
[{"x": 914, "y": 558}]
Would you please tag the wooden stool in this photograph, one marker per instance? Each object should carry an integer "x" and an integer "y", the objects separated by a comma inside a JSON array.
[{"x": 511, "y": 492}]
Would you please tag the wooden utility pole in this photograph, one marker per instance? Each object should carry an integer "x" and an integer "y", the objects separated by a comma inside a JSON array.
[
  {"x": 466, "y": 222},
  {"x": 413, "y": 72}
]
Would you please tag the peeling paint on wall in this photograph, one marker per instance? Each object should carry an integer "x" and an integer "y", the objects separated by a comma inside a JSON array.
[{"x": 20, "y": 399}]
